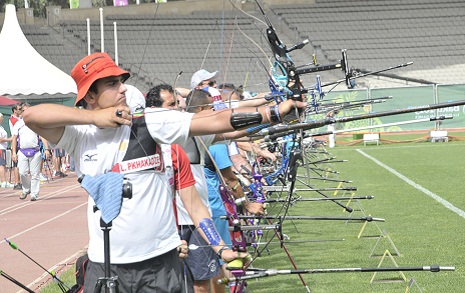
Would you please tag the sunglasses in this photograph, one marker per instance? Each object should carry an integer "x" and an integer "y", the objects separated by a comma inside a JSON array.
[{"x": 210, "y": 83}]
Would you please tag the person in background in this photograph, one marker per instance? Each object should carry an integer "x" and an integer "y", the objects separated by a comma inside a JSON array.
[
  {"x": 203, "y": 78},
  {"x": 26, "y": 152},
  {"x": 201, "y": 101},
  {"x": 59, "y": 159},
  {"x": 15, "y": 117},
  {"x": 4, "y": 140},
  {"x": 202, "y": 263}
]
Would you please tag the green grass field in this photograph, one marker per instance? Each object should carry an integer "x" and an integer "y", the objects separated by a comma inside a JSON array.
[{"x": 423, "y": 230}]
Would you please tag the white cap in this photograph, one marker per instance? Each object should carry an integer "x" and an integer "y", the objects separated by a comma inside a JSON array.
[
  {"x": 214, "y": 92},
  {"x": 202, "y": 75},
  {"x": 134, "y": 98}
]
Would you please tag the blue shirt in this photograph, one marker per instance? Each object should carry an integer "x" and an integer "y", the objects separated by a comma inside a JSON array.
[{"x": 219, "y": 153}]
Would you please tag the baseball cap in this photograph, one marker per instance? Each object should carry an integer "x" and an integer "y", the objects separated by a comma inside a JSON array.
[
  {"x": 202, "y": 75},
  {"x": 134, "y": 98},
  {"x": 93, "y": 67}
]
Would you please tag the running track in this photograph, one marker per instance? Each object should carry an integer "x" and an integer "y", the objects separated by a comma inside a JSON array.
[{"x": 52, "y": 231}]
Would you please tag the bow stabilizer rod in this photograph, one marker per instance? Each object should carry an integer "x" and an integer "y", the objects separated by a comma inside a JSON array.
[{"x": 259, "y": 273}]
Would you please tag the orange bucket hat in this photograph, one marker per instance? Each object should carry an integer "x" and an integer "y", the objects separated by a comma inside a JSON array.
[{"x": 92, "y": 68}]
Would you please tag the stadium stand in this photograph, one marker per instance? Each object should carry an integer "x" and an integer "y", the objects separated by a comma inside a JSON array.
[{"x": 379, "y": 34}]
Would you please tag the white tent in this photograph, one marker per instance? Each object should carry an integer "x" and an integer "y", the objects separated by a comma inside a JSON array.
[{"x": 23, "y": 70}]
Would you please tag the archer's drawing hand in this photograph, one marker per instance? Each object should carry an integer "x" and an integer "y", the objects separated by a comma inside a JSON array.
[{"x": 112, "y": 117}]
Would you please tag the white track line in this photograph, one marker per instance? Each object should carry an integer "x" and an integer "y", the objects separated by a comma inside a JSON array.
[
  {"x": 25, "y": 203},
  {"x": 44, "y": 222},
  {"x": 434, "y": 196}
]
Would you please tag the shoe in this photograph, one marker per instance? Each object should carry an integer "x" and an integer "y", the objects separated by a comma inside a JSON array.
[
  {"x": 18, "y": 186},
  {"x": 7, "y": 185},
  {"x": 42, "y": 177},
  {"x": 33, "y": 198},
  {"x": 23, "y": 196},
  {"x": 60, "y": 174}
]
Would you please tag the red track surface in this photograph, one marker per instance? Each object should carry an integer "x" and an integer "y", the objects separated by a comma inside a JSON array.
[{"x": 52, "y": 231}]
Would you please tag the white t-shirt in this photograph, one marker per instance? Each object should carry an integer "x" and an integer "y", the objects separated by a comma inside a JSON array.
[
  {"x": 145, "y": 227},
  {"x": 27, "y": 137},
  {"x": 3, "y": 134},
  {"x": 12, "y": 121}
]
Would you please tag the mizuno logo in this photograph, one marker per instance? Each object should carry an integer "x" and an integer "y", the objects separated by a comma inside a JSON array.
[{"x": 90, "y": 158}]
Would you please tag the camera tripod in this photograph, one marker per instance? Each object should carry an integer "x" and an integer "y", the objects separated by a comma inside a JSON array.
[{"x": 110, "y": 283}]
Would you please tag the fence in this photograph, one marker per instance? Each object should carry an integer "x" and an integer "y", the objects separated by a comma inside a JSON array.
[{"x": 404, "y": 97}]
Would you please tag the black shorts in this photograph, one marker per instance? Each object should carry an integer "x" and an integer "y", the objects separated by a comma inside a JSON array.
[{"x": 163, "y": 273}]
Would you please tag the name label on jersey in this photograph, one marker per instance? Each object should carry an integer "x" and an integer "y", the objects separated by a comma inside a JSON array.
[{"x": 138, "y": 164}]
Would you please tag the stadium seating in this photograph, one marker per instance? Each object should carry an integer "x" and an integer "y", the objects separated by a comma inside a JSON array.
[{"x": 380, "y": 34}]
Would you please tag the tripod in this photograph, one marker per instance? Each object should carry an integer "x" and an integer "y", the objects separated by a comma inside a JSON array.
[{"x": 108, "y": 282}]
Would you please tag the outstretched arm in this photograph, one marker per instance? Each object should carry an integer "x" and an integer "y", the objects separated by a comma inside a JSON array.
[
  {"x": 208, "y": 122},
  {"x": 49, "y": 120}
]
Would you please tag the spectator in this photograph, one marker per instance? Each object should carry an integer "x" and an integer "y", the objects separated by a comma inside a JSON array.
[
  {"x": 203, "y": 78},
  {"x": 4, "y": 140},
  {"x": 59, "y": 156},
  {"x": 15, "y": 117},
  {"x": 26, "y": 152}
]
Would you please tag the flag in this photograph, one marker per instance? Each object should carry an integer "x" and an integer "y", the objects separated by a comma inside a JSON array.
[
  {"x": 74, "y": 4},
  {"x": 120, "y": 2}
]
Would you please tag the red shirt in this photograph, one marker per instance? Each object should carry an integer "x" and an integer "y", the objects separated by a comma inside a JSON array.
[{"x": 182, "y": 168}]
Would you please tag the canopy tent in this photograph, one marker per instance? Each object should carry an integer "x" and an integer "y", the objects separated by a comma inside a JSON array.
[
  {"x": 24, "y": 70},
  {"x": 4, "y": 101}
]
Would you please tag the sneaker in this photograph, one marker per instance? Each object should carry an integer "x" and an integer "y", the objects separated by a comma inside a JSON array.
[
  {"x": 7, "y": 185},
  {"x": 42, "y": 177},
  {"x": 60, "y": 174},
  {"x": 23, "y": 196},
  {"x": 18, "y": 187},
  {"x": 33, "y": 198}
]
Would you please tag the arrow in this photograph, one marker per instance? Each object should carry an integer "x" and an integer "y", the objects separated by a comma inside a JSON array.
[{"x": 60, "y": 283}]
